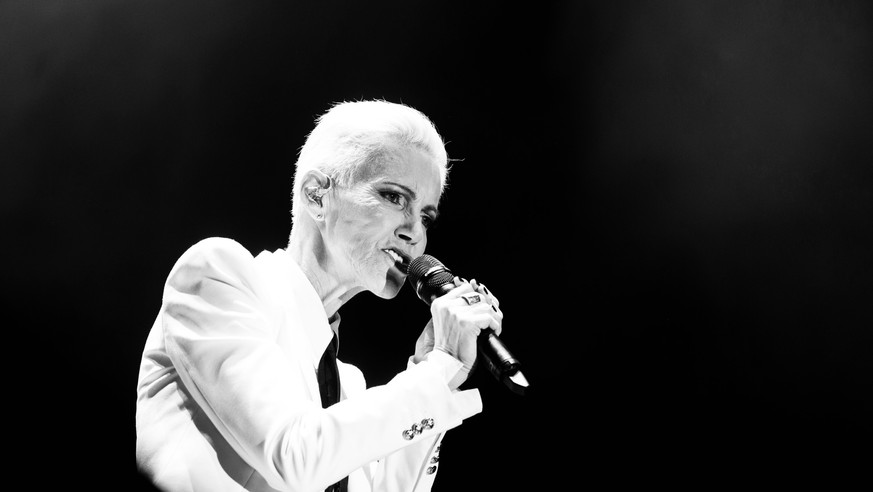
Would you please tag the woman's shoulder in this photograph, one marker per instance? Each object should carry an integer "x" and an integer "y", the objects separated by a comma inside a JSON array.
[
  {"x": 221, "y": 246},
  {"x": 217, "y": 249},
  {"x": 214, "y": 257}
]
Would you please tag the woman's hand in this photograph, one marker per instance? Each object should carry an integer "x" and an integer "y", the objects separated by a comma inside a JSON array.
[{"x": 457, "y": 318}]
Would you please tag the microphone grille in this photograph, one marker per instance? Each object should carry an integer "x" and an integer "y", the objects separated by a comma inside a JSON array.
[
  {"x": 432, "y": 284},
  {"x": 419, "y": 266}
]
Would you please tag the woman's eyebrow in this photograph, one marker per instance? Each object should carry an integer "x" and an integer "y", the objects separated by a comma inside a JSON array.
[{"x": 427, "y": 208}]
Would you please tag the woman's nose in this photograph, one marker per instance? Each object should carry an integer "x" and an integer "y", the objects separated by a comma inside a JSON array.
[{"x": 411, "y": 231}]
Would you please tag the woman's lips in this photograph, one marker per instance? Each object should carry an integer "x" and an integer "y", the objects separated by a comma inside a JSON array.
[{"x": 399, "y": 260}]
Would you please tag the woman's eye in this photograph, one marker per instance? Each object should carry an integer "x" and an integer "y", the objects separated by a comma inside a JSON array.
[
  {"x": 393, "y": 197},
  {"x": 427, "y": 221}
]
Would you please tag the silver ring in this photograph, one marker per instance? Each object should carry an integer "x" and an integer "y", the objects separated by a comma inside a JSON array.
[{"x": 471, "y": 298}]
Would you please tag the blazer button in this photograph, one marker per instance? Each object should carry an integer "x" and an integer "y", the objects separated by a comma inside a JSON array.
[
  {"x": 408, "y": 434},
  {"x": 431, "y": 470},
  {"x": 434, "y": 459}
]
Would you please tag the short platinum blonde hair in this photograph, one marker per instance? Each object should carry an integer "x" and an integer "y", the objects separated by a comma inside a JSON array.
[{"x": 351, "y": 135}]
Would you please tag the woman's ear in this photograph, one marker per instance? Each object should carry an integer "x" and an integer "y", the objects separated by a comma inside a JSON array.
[{"x": 315, "y": 186}]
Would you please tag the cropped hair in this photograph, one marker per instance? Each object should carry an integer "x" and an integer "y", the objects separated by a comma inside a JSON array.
[{"x": 354, "y": 134}]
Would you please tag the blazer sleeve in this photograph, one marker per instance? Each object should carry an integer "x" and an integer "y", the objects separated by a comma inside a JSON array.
[
  {"x": 220, "y": 332},
  {"x": 411, "y": 468}
]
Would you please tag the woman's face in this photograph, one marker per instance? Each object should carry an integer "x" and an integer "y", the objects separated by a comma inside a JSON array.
[{"x": 383, "y": 215}]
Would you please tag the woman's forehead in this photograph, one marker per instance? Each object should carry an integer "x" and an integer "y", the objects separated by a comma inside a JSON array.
[{"x": 411, "y": 167}]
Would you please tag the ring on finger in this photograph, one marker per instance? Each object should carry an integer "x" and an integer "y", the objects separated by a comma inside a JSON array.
[{"x": 471, "y": 298}]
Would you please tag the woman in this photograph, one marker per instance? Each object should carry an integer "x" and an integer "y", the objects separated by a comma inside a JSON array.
[{"x": 231, "y": 393}]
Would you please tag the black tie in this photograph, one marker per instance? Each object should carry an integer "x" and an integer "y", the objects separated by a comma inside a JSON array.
[{"x": 329, "y": 385}]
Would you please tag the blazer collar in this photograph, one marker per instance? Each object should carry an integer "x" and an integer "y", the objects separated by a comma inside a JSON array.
[{"x": 318, "y": 329}]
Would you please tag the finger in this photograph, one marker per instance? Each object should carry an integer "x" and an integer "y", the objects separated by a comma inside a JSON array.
[
  {"x": 480, "y": 287},
  {"x": 488, "y": 319},
  {"x": 486, "y": 316},
  {"x": 496, "y": 322},
  {"x": 473, "y": 297},
  {"x": 484, "y": 289},
  {"x": 460, "y": 288}
]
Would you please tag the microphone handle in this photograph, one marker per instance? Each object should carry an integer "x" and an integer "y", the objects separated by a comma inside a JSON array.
[{"x": 499, "y": 359}]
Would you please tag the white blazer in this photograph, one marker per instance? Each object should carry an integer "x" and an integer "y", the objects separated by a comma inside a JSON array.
[{"x": 228, "y": 400}]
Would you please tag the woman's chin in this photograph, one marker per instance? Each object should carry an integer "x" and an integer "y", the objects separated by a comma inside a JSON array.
[{"x": 391, "y": 288}]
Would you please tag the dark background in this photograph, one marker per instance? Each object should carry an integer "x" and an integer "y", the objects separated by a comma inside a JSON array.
[{"x": 671, "y": 199}]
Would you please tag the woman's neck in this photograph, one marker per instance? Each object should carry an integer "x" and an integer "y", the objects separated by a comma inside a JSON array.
[{"x": 308, "y": 250}]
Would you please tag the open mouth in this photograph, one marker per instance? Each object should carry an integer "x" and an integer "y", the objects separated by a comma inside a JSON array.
[{"x": 401, "y": 261}]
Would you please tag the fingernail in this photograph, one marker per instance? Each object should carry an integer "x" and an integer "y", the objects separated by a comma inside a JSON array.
[
  {"x": 494, "y": 308},
  {"x": 486, "y": 289}
]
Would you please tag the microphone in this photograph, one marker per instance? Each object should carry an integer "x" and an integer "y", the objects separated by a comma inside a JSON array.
[{"x": 431, "y": 279}]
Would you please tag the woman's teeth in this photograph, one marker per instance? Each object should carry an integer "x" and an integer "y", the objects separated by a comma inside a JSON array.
[{"x": 394, "y": 255}]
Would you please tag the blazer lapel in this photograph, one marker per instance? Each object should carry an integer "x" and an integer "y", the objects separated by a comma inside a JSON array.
[{"x": 303, "y": 329}]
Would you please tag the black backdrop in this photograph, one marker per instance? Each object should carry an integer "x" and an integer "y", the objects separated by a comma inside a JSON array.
[{"x": 672, "y": 200}]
